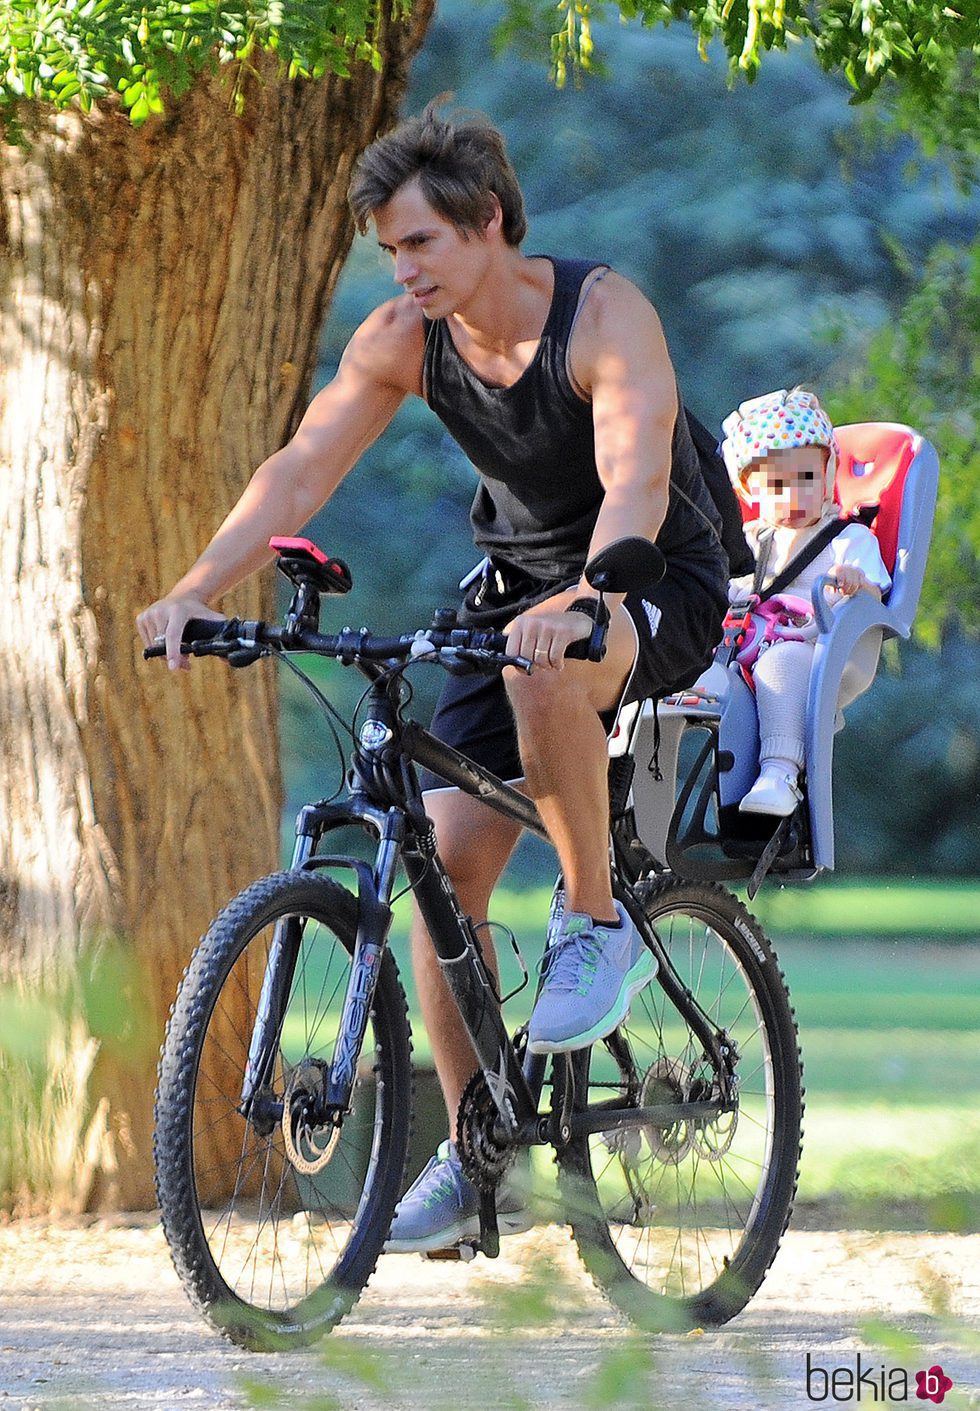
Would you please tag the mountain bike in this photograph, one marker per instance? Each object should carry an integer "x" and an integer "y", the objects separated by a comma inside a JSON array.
[{"x": 285, "y": 1084}]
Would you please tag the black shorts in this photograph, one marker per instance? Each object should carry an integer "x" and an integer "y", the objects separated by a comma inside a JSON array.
[{"x": 678, "y": 625}]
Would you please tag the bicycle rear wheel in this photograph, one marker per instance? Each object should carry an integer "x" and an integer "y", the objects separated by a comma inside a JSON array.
[
  {"x": 678, "y": 1224},
  {"x": 273, "y": 1239}
]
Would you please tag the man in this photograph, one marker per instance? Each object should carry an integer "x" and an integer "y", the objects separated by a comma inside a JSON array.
[{"x": 555, "y": 378}]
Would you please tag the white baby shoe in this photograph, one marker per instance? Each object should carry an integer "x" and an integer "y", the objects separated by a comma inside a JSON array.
[{"x": 776, "y": 790}]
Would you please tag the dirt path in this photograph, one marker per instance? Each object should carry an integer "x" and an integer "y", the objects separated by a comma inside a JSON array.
[{"x": 94, "y": 1318}]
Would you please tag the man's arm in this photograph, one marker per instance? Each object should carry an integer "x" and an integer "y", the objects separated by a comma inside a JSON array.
[
  {"x": 619, "y": 356},
  {"x": 380, "y": 365}
]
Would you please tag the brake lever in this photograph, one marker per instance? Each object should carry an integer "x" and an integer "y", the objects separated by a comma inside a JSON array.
[
  {"x": 591, "y": 648},
  {"x": 497, "y": 659},
  {"x": 480, "y": 659}
]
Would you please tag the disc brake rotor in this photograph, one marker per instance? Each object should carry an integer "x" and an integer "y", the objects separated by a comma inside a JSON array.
[
  {"x": 309, "y": 1145},
  {"x": 713, "y": 1139}
]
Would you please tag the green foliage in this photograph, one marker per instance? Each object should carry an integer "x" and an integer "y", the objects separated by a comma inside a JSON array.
[
  {"x": 50, "y": 1041},
  {"x": 344, "y": 1363},
  {"x": 923, "y": 367},
  {"x": 928, "y": 49},
  {"x": 58, "y": 51}
]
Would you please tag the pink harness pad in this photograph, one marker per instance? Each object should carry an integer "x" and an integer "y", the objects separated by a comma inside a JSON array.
[{"x": 782, "y": 618}]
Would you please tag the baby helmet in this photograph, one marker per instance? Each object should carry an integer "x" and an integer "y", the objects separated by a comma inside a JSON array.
[{"x": 777, "y": 421}]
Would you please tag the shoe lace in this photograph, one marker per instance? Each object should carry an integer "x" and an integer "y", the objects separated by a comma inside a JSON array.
[
  {"x": 440, "y": 1178},
  {"x": 570, "y": 964}
]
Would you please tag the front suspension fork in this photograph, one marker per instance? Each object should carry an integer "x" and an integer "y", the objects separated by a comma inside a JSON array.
[{"x": 373, "y": 923}]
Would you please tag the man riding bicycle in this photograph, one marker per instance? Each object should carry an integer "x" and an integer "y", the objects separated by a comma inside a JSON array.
[{"x": 554, "y": 377}]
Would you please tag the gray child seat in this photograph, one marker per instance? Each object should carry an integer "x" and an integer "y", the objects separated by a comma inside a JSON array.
[{"x": 692, "y": 825}]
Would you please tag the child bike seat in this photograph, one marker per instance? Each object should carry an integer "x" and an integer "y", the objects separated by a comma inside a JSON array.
[{"x": 695, "y": 827}]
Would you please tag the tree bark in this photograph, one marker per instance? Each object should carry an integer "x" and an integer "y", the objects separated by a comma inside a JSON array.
[{"x": 162, "y": 292}]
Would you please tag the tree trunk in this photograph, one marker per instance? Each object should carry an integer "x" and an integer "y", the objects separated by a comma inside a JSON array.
[{"x": 162, "y": 294}]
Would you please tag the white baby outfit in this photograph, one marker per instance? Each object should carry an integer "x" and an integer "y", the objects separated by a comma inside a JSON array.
[{"x": 782, "y": 670}]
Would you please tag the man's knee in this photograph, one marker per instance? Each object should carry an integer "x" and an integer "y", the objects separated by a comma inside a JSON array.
[{"x": 474, "y": 843}]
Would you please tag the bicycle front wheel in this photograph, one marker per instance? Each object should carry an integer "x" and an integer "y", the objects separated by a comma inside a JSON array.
[
  {"x": 274, "y": 1237},
  {"x": 678, "y": 1223}
]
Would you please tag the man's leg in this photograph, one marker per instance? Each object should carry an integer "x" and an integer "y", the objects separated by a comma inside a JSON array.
[
  {"x": 474, "y": 845},
  {"x": 442, "y": 1207},
  {"x": 566, "y": 764},
  {"x": 597, "y": 961}
]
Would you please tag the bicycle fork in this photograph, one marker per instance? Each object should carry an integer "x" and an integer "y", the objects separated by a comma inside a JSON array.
[{"x": 373, "y": 922}]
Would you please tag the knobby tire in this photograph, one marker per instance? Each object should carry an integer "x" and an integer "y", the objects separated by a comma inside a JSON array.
[
  {"x": 273, "y": 1258},
  {"x": 679, "y": 1224}
]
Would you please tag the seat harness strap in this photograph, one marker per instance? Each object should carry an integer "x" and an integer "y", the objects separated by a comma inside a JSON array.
[
  {"x": 739, "y": 616},
  {"x": 809, "y": 552}
]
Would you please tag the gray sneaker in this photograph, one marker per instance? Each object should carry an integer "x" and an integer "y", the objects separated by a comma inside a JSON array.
[
  {"x": 591, "y": 974},
  {"x": 441, "y": 1208}
]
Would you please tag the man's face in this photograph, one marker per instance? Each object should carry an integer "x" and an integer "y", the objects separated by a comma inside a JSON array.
[
  {"x": 789, "y": 485},
  {"x": 439, "y": 265}
]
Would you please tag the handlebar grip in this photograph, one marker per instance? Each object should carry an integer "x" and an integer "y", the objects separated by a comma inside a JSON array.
[
  {"x": 196, "y": 629},
  {"x": 591, "y": 648}
]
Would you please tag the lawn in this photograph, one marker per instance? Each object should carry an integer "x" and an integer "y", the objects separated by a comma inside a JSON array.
[{"x": 888, "y": 1018}]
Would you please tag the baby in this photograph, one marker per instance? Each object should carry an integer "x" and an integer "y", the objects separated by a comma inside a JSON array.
[{"x": 781, "y": 454}]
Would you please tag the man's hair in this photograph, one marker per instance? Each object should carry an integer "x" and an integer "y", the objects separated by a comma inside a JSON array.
[{"x": 460, "y": 167}]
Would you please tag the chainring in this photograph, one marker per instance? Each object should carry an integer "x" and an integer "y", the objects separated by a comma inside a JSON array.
[{"x": 485, "y": 1160}]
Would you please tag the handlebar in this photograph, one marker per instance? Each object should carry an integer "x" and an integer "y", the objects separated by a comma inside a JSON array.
[
  {"x": 244, "y": 642},
  {"x": 626, "y": 564}
]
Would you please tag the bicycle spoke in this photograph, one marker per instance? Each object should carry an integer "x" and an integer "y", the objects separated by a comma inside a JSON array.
[
  {"x": 271, "y": 1234},
  {"x": 680, "y": 1201}
]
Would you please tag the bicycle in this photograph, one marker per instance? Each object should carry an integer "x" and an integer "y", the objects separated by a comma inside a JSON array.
[{"x": 285, "y": 1084}]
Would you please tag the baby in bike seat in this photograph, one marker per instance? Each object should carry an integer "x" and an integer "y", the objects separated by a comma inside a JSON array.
[{"x": 781, "y": 454}]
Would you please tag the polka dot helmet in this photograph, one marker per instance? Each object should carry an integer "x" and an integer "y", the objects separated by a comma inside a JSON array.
[{"x": 777, "y": 421}]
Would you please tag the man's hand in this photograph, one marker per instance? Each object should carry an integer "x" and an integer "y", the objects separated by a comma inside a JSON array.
[
  {"x": 543, "y": 633},
  {"x": 163, "y": 621}
]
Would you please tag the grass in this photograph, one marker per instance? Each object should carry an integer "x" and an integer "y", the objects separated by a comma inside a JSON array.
[
  {"x": 900, "y": 909},
  {"x": 888, "y": 1022},
  {"x": 829, "y": 909}
]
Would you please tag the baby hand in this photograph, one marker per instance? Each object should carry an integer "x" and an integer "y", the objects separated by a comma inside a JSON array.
[{"x": 849, "y": 579}]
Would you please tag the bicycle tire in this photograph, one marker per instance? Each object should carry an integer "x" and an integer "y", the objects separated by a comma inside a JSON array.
[
  {"x": 679, "y": 1225},
  {"x": 249, "y": 1234}
]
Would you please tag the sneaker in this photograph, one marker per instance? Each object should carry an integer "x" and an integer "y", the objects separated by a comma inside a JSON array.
[
  {"x": 442, "y": 1208},
  {"x": 775, "y": 792},
  {"x": 591, "y": 974}
]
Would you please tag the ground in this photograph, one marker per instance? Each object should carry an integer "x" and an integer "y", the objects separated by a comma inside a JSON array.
[{"x": 92, "y": 1316}]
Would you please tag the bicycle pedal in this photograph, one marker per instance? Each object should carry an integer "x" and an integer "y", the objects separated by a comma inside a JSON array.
[{"x": 464, "y": 1252}]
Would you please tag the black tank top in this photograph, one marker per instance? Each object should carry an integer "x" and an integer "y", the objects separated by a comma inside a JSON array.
[{"x": 533, "y": 445}]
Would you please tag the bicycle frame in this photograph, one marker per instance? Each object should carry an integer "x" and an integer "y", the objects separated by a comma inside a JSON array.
[{"x": 390, "y": 808}]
